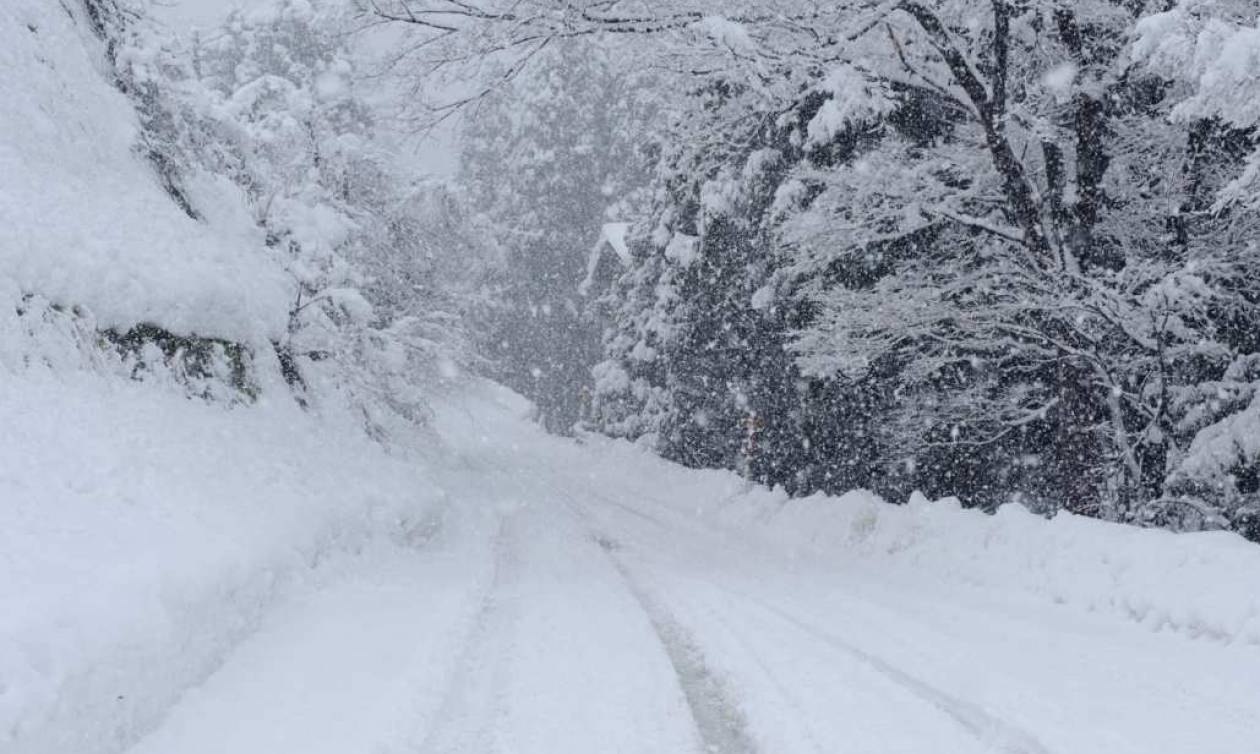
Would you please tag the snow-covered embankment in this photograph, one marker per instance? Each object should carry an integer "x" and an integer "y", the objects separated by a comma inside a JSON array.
[
  {"x": 144, "y": 530},
  {"x": 1200, "y": 584}
]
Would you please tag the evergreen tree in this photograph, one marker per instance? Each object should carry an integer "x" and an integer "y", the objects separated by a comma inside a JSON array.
[{"x": 543, "y": 163}]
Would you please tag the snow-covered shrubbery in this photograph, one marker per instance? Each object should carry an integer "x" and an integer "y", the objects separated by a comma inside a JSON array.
[
  {"x": 229, "y": 193},
  {"x": 268, "y": 108},
  {"x": 1210, "y": 50}
]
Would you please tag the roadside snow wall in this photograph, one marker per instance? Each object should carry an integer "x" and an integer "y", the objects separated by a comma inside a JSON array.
[
  {"x": 1203, "y": 585},
  {"x": 160, "y": 489}
]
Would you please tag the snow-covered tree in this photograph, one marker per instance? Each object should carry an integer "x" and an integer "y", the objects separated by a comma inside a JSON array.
[
  {"x": 546, "y": 163},
  {"x": 1017, "y": 238},
  {"x": 264, "y": 119},
  {"x": 1019, "y": 258},
  {"x": 1210, "y": 52}
]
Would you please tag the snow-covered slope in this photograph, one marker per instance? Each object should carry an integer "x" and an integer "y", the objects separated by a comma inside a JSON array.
[
  {"x": 84, "y": 220},
  {"x": 142, "y": 534}
]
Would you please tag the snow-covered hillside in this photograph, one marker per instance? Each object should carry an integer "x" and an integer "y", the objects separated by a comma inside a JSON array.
[{"x": 84, "y": 219}]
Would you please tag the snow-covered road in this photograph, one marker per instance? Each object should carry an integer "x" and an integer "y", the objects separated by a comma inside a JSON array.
[{"x": 556, "y": 606}]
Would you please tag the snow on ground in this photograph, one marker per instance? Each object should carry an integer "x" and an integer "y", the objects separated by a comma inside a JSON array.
[
  {"x": 845, "y": 624},
  {"x": 1200, "y": 585},
  {"x": 196, "y": 579},
  {"x": 84, "y": 220},
  {"x": 141, "y": 534}
]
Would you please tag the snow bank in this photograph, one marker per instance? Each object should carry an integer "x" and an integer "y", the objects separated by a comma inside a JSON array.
[
  {"x": 1199, "y": 584},
  {"x": 143, "y": 534},
  {"x": 84, "y": 220}
]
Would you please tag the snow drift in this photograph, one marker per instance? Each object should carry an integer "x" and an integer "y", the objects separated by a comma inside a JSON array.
[
  {"x": 1203, "y": 585},
  {"x": 142, "y": 534}
]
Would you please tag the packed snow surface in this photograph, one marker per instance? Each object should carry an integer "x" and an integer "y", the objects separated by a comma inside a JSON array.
[{"x": 179, "y": 577}]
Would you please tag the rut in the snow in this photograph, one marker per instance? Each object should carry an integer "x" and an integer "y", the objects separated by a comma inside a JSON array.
[
  {"x": 465, "y": 722},
  {"x": 998, "y": 734},
  {"x": 718, "y": 718}
]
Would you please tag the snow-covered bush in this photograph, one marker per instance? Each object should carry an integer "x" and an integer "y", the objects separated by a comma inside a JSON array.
[{"x": 260, "y": 126}]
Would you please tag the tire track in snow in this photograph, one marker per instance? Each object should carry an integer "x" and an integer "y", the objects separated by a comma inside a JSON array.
[
  {"x": 719, "y": 720},
  {"x": 990, "y": 730},
  {"x": 681, "y": 646},
  {"x": 472, "y": 704}
]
